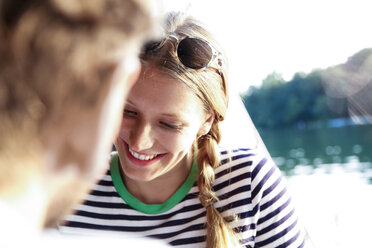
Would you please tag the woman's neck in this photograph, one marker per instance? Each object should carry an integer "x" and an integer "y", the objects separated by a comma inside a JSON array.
[{"x": 160, "y": 189}]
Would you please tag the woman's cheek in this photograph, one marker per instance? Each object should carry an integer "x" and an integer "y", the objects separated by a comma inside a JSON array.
[
  {"x": 126, "y": 127},
  {"x": 182, "y": 141},
  {"x": 171, "y": 141}
]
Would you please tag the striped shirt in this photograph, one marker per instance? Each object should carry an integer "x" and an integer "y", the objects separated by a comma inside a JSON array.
[{"x": 248, "y": 185}]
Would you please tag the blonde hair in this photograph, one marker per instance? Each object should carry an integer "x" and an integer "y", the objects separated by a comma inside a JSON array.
[
  {"x": 55, "y": 57},
  {"x": 209, "y": 85}
]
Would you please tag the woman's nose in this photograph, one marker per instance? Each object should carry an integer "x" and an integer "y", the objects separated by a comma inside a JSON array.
[{"x": 141, "y": 137}]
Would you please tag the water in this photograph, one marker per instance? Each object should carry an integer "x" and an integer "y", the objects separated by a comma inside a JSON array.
[
  {"x": 298, "y": 152},
  {"x": 329, "y": 172}
]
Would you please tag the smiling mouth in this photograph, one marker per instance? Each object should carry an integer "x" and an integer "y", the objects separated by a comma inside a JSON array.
[
  {"x": 142, "y": 160},
  {"x": 142, "y": 156}
]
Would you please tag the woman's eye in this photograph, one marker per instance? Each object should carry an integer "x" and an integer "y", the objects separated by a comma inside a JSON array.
[
  {"x": 170, "y": 126},
  {"x": 129, "y": 113}
]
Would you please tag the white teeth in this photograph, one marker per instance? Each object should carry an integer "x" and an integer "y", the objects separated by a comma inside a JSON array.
[{"x": 141, "y": 156}]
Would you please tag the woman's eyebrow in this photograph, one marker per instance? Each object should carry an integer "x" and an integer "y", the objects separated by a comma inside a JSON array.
[
  {"x": 129, "y": 102},
  {"x": 176, "y": 116},
  {"x": 172, "y": 115}
]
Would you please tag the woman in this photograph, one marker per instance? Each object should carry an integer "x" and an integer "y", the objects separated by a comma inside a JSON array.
[{"x": 169, "y": 179}]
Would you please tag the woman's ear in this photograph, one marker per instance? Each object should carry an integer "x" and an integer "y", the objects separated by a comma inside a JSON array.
[{"x": 206, "y": 126}]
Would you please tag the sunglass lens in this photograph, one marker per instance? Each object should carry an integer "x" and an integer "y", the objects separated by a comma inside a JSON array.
[{"x": 194, "y": 53}]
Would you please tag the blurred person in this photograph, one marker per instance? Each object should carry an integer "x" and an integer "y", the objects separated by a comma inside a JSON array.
[
  {"x": 65, "y": 69},
  {"x": 169, "y": 179}
]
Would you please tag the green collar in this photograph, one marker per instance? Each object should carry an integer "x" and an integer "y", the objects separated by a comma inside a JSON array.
[{"x": 150, "y": 208}]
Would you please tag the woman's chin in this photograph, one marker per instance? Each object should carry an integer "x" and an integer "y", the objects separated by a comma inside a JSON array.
[{"x": 138, "y": 176}]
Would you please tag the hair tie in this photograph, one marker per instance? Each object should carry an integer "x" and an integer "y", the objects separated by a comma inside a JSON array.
[{"x": 209, "y": 205}]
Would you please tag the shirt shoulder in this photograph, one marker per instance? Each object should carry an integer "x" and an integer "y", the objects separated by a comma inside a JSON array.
[{"x": 241, "y": 158}]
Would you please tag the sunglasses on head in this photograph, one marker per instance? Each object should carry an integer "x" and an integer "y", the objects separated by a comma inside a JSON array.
[{"x": 193, "y": 53}]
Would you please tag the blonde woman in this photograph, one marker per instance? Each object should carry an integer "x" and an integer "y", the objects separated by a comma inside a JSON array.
[{"x": 169, "y": 180}]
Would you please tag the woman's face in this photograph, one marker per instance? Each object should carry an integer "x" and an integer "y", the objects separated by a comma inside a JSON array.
[{"x": 161, "y": 120}]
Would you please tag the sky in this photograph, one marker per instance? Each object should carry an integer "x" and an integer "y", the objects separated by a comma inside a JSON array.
[{"x": 282, "y": 36}]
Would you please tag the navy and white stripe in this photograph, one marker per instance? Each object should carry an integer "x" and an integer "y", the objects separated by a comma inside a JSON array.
[{"x": 249, "y": 186}]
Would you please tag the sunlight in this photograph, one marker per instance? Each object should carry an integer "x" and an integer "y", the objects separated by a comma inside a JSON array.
[{"x": 286, "y": 36}]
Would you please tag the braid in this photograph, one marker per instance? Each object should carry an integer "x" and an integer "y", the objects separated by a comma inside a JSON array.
[{"x": 219, "y": 235}]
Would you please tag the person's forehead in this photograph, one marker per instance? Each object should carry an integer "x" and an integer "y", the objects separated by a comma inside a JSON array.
[{"x": 160, "y": 93}]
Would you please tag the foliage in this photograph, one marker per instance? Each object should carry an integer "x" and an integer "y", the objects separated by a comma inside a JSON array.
[
  {"x": 280, "y": 103},
  {"x": 302, "y": 100}
]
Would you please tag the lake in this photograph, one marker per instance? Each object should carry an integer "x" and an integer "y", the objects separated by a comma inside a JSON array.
[
  {"x": 304, "y": 151},
  {"x": 329, "y": 171}
]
